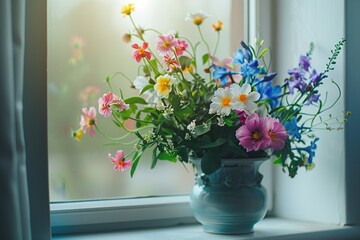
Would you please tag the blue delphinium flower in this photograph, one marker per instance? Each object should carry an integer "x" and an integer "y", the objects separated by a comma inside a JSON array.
[
  {"x": 311, "y": 150},
  {"x": 292, "y": 128},
  {"x": 249, "y": 69},
  {"x": 269, "y": 92},
  {"x": 221, "y": 73}
]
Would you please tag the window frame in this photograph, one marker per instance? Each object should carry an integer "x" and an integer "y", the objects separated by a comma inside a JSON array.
[{"x": 35, "y": 96}]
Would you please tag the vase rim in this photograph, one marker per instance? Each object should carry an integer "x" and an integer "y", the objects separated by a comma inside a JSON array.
[{"x": 237, "y": 160}]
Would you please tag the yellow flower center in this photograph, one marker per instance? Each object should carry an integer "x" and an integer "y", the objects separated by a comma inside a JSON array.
[
  {"x": 271, "y": 134},
  {"x": 256, "y": 135},
  {"x": 78, "y": 135},
  {"x": 120, "y": 162},
  {"x": 127, "y": 9},
  {"x": 225, "y": 101},
  {"x": 198, "y": 20},
  {"x": 166, "y": 44},
  {"x": 242, "y": 97}
]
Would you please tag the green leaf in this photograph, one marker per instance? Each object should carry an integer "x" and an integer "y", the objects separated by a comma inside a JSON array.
[
  {"x": 210, "y": 162},
  {"x": 278, "y": 161},
  {"x": 147, "y": 87},
  {"x": 167, "y": 156},
  {"x": 201, "y": 129},
  {"x": 184, "y": 154},
  {"x": 185, "y": 61},
  {"x": 208, "y": 144},
  {"x": 154, "y": 158},
  {"x": 136, "y": 159},
  {"x": 138, "y": 100},
  {"x": 205, "y": 58},
  {"x": 263, "y": 52}
]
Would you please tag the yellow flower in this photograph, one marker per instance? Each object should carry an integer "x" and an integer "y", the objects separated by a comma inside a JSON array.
[
  {"x": 163, "y": 85},
  {"x": 127, "y": 9},
  {"x": 197, "y": 18},
  {"x": 218, "y": 26},
  {"x": 78, "y": 135}
]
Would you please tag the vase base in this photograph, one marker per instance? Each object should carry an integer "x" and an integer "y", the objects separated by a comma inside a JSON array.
[{"x": 229, "y": 229}]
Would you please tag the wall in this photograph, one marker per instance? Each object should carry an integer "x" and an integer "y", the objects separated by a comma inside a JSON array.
[{"x": 316, "y": 195}]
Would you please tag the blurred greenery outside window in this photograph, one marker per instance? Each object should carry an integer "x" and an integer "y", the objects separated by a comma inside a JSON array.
[{"x": 84, "y": 46}]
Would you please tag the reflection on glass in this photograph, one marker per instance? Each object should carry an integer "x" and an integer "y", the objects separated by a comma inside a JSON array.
[{"x": 85, "y": 44}]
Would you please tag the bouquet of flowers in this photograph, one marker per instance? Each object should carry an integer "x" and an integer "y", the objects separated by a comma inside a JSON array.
[{"x": 213, "y": 109}]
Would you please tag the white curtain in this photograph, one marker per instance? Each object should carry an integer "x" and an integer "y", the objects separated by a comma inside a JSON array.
[{"x": 14, "y": 204}]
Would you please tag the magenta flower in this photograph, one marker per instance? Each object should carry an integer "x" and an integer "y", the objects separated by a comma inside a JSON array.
[
  {"x": 109, "y": 99},
  {"x": 120, "y": 163},
  {"x": 88, "y": 120},
  {"x": 242, "y": 116},
  {"x": 253, "y": 136},
  {"x": 140, "y": 52},
  {"x": 181, "y": 47},
  {"x": 166, "y": 44},
  {"x": 276, "y": 132}
]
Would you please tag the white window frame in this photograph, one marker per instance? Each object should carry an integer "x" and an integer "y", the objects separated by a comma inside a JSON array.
[{"x": 36, "y": 143}]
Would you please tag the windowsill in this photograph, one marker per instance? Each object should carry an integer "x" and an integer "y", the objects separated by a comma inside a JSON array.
[{"x": 269, "y": 228}]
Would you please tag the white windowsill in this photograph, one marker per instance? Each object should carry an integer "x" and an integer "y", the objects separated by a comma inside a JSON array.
[{"x": 269, "y": 228}]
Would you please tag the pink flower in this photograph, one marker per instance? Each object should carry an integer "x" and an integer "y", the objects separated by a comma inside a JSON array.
[
  {"x": 166, "y": 44},
  {"x": 253, "y": 136},
  {"x": 88, "y": 120},
  {"x": 181, "y": 47},
  {"x": 120, "y": 163},
  {"x": 227, "y": 62},
  {"x": 109, "y": 99},
  {"x": 276, "y": 132},
  {"x": 171, "y": 63},
  {"x": 140, "y": 52}
]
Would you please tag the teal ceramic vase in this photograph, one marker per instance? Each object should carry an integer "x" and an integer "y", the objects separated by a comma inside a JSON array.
[{"x": 231, "y": 200}]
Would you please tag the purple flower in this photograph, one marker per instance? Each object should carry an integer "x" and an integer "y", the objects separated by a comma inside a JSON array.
[
  {"x": 253, "y": 136},
  {"x": 312, "y": 99},
  {"x": 315, "y": 77},
  {"x": 304, "y": 62}
]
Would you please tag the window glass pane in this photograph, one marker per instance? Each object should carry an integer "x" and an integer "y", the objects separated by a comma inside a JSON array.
[{"x": 85, "y": 45}]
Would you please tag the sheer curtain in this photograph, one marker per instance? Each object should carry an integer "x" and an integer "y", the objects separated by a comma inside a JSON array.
[{"x": 14, "y": 199}]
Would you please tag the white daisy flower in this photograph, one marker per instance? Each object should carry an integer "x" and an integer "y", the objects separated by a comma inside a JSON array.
[
  {"x": 222, "y": 102},
  {"x": 243, "y": 98},
  {"x": 139, "y": 83},
  {"x": 197, "y": 18}
]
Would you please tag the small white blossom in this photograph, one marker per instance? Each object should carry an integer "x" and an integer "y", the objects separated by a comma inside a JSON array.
[
  {"x": 170, "y": 144},
  {"x": 149, "y": 136},
  {"x": 187, "y": 136},
  {"x": 160, "y": 106},
  {"x": 191, "y": 127},
  {"x": 204, "y": 125},
  {"x": 168, "y": 111},
  {"x": 221, "y": 122}
]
